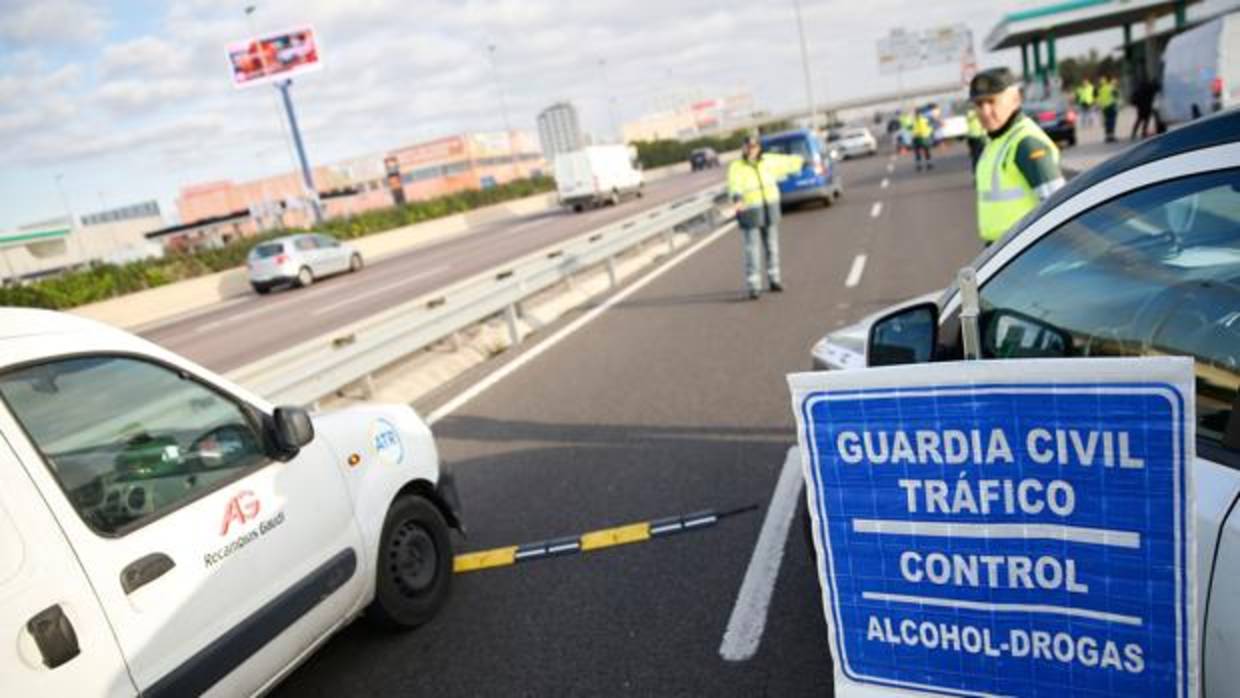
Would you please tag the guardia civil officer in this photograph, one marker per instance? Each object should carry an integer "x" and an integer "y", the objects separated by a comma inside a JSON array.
[{"x": 753, "y": 185}]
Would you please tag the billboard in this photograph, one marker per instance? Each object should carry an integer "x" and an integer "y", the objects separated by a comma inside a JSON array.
[
  {"x": 276, "y": 56},
  {"x": 902, "y": 50}
]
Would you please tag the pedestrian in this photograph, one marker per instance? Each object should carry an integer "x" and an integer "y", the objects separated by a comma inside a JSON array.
[
  {"x": 1019, "y": 168},
  {"x": 976, "y": 136},
  {"x": 1085, "y": 101},
  {"x": 1108, "y": 102},
  {"x": 753, "y": 186},
  {"x": 1143, "y": 100},
  {"x": 923, "y": 132}
]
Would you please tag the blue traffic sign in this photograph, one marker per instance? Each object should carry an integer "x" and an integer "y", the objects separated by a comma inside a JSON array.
[{"x": 1004, "y": 539}]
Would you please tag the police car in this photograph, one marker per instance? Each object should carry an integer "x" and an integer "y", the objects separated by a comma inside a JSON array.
[
  {"x": 166, "y": 532},
  {"x": 1139, "y": 256}
]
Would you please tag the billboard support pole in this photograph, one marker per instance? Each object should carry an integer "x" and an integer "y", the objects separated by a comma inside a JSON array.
[{"x": 307, "y": 177}]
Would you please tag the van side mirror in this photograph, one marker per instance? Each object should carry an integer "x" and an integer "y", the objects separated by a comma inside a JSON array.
[
  {"x": 292, "y": 429},
  {"x": 905, "y": 336}
]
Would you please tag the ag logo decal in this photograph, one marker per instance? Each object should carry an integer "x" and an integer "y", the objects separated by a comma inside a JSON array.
[
  {"x": 242, "y": 508},
  {"x": 386, "y": 442}
]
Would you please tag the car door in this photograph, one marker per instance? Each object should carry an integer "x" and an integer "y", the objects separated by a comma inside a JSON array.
[
  {"x": 215, "y": 565},
  {"x": 1152, "y": 271},
  {"x": 334, "y": 254},
  {"x": 59, "y": 640},
  {"x": 310, "y": 255}
]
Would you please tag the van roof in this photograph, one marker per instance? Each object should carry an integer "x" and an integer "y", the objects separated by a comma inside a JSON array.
[
  {"x": 27, "y": 322},
  {"x": 784, "y": 135}
]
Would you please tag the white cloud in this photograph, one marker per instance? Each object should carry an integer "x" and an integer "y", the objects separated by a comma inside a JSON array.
[
  {"x": 145, "y": 55},
  {"x": 52, "y": 22}
]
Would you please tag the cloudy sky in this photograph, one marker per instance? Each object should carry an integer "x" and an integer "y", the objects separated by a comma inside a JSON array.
[{"x": 131, "y": 100}]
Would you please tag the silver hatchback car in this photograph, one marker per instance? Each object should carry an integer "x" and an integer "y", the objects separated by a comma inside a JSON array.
[{"x": 299, "y": 260}]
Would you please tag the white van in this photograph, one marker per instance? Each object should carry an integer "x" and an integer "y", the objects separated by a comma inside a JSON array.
[
  {"x": 1201, "y": 70},
  {"x": 166, "y": 532},
  {"x": 596, "y": 175}
]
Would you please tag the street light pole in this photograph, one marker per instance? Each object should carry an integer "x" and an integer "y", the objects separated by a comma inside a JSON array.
[
  {"x": 611, "y": 105},
  {"x": 809, "y": 83},
  {"x": 503, "y": 107}
]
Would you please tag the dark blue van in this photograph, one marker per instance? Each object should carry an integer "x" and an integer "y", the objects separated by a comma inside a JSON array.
[{"x": 818, "y": 180}]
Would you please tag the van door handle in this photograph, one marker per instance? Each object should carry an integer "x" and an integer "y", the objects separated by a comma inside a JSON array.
[
  {"x": 54, "y": 635},
  {"x": 145, "y": 570}
]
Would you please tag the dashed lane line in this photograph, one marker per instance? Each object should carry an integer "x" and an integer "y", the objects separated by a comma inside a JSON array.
[
  {"x": 885, "y": 182},
  {"x": 385, "y": 288},
  {"x": 876, "y": 209},
  {"x": 855, "y": 272}
]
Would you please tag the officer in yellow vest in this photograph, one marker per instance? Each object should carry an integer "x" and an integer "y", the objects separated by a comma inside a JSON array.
[
  {"x": 976, "y": 136},
  {"x": 1108, "y": 102},
  {"x": 1019, "y": 167},
  {"x": 1085, "y": 101},
  {"x": 753, "y": 185},
  {"x": 923, "y": 137}
]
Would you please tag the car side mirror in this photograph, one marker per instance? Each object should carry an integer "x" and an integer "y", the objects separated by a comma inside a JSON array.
[
  {"x": 292, "y": 429},
  {"x": 905, "y": 336},
  {"x": 1008, "y": 334}
]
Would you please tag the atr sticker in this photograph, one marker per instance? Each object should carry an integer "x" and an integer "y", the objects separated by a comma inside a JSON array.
[{"x": 386, "y": 442}]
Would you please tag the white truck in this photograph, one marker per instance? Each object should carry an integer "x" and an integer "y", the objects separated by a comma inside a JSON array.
[
  {"x": 1201, "y": 70},
  {"x": 596, "y": 175},
  {"x": 165, "y": 532}
]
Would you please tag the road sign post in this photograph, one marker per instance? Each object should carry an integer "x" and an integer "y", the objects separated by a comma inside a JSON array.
[{"x": 1013, "y": 528}]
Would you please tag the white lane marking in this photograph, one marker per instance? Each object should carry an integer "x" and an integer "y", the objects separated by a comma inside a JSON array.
[
  {"x": 265, "y": 307},
  {"x": 748, "y": 620},
  {"x": 885, "y": 182},
  {"x": 891, "y": 167},
  {"x": 1008, "y": 607},
  {"x": 876, "y": 209},
  {"x": 854, "y": 273},
  {"x": 1074, "y": 534},
  {"x": 385, "y": 288},
  {"x": 516, "y": 364}
]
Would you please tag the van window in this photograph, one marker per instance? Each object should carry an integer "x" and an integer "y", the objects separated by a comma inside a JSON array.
[
  {"x": 129, "y": 440},
  {"x": 790, "y": 146},
  {"x": 1153, "y": 273}
]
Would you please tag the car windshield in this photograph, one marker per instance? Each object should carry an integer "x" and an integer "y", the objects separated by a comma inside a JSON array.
[
  {"x": 789, "y": 146},
  {"x": 268, "y": 249}
]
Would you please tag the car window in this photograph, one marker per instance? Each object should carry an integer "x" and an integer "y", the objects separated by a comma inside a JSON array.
[
  {"x": 326, "y": 242},
  {"x": 268, "y": 249},
  {"x": 790, "y": 146},
  {"x": 1153, "y": 273},
  {"x": 128, "y": 440},
  {"x": 305, "y": 243}
]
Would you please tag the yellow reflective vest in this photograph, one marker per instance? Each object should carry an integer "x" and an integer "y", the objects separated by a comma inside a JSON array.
[
  {"x": 1107, "y": 93},
  {"x": 1085, "y": 94},
  {"x": 921, "y": 127},
  {"x": 757, "y": 184},
  {"x": 975, "y": 125},
  {"x": 1004, "y": 196}
]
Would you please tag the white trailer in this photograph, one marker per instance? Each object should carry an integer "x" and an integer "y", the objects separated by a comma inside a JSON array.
[
  {"x": 596, "y": 175},
  {"x": 1201, "y": 70}
]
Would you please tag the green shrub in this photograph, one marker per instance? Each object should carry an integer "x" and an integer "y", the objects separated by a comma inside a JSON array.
[{"x": 102, "y": 281}]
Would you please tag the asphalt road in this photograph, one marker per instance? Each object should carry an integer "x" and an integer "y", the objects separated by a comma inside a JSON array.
[
  {"x": 673, "y": 401},
  {"x": 239, "y": 331}
]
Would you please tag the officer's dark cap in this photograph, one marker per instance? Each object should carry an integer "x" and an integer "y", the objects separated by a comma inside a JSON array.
[{"x": 991, "y": 82}]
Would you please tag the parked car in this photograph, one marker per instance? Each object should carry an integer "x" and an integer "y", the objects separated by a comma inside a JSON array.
[
  {"x": 596, "y": 175},
  {"x": 1201, "y": 70},
  {"x": 818, "y": 180},
  {"x": 299, "y": 260},
  {"x": 1139, "y": 256},
  {"x": 1055, "y": 117},
  {"x": 952, "y": 128},
  {"x": 855, "y": 142},
  {"x": 164, "y": 531},
  {"x": 703, "y": 159}
]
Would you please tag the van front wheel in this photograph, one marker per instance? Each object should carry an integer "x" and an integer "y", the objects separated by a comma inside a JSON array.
[{"x": 414, "y": 575}]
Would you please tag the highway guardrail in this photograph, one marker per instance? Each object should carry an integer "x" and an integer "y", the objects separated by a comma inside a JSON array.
[{"x": 308, "y": 372}]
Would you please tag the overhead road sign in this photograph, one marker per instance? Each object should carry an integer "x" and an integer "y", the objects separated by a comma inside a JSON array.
[
  {"x": 1014, "y": 528},
  {"x": 278, "y": 56},
  {"x": 902, "y": 50}
]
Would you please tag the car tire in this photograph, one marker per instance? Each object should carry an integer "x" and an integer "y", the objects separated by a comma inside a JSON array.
[
  {"x": 1072, "y": 141},
  {"x": 640, "y": 193},
  {"x": 261, "y": 289},
  {"x": 355, "y": 263},
  {"x": 305, "y": 277},
  {"x": 614, "y": 199},
  {"x": 414, "y": 565},
  {"x": 578, "y": 208},
  {"x": 828, "y": 200}
]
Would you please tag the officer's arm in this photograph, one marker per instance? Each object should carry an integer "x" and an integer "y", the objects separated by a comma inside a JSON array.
[
  {"x": 786, "y": 165},
  {"x": 1040, "y": 167}
]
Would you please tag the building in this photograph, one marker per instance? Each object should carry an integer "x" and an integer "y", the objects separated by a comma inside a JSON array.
[
  {"x": 467, "y": 161},
  {"x": 559, "y": 130},
  {"x": 113, "y": 236},
  {"x": 691, "y": 119}
]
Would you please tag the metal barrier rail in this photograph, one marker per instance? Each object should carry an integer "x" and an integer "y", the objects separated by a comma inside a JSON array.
[{"x": 319, "y": 367}]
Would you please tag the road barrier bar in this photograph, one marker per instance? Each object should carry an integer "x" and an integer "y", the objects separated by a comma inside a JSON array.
[{"x": 304, "y": 374}]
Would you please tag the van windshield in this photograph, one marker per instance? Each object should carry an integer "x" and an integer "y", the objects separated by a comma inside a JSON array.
[{"x": 790, "y": 146}]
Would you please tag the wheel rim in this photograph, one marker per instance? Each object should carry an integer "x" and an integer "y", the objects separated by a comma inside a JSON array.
[
  {"x": 355, "y": 263},
  {"x": 304, "y": 277},
  {"x": 412, "y": 558}
]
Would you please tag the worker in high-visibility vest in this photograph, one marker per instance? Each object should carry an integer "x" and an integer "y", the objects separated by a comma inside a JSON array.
[
  {"x": 1085, "y": 101},
  {"x": 1108, "y": 102},
  {"x": 905, "y": 137},
  {"x": 976, "y": 137},
  {"x": 923, "y": 135},
  {"x": 1019, "y": 168},
  {"x": 753, "y": 186}
]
